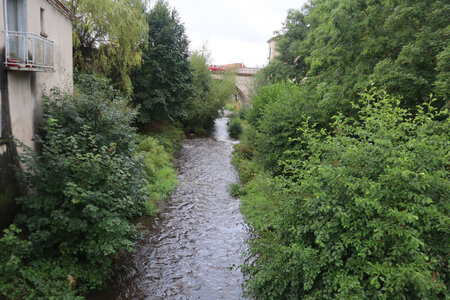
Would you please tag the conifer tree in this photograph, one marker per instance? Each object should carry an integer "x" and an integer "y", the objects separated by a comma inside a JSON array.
[{"x": 162, "y": 85}]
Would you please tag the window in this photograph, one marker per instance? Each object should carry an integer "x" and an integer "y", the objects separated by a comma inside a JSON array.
[
  {"x": 43, "y": 23},
  {"x": 16, "y": 15}
]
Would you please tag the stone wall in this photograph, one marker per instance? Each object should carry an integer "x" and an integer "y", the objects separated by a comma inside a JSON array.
[{"x": 245, "y": 84}]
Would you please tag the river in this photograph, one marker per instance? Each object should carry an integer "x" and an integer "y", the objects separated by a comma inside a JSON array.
[{"x": 199, "y": 235}]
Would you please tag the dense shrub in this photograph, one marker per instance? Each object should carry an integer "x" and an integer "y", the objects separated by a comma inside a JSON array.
[
  {"x": 168, "y": 135},
  {"x": 209, "y": 95},
  {"x": 243, "y": 112},
  {"x": 363, "y": 212},
  {"x": 85, "y": 183},
  {"x": 335, "y": 48},
  {"x": 236, "y": 189},
  {"x": 235, "y": 128},
  {"x": 160, "y": 175},
  {"x": 277, "y": 112},
  {"x": 243, "y": 154}
]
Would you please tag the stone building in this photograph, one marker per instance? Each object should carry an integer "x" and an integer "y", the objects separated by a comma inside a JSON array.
[
  {"x": 35, "y": 56},
  {"x": 273, "y": 48}
]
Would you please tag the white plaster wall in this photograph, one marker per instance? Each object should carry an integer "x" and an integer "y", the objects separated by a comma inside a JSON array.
[
  {"x": 27, "y": 88},
  {"x": 2, "y": 28},
  {"x": 22, "y": 105},
  {"x": 2, "y": 45},
  {"x": 59, "y": 30}
]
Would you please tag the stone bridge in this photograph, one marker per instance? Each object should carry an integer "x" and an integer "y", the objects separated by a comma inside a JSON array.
[{"x": 245, "y": 84}]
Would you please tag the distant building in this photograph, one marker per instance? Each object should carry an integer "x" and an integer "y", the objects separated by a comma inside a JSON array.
[
  {"x": 273, "y": 47},
  {"x": 35, "y": 56},
  {"x": 234, "y": 66}
]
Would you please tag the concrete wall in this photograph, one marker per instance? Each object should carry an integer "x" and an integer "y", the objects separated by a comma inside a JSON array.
[{"x": 22, "y": 91}]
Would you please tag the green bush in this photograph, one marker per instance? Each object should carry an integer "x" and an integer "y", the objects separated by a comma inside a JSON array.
[
  {"x": 85, "y": 183},
  {"x": 235, "y": 128},
  {"x": 209, "y": 95},
  {"x": 168, "y": 135},
  {"x": 236, "y": 190},
  {"x": 335, "y": 48},
  {"x": 160, "y": 175},
  {"x": 243, "y": 155},
  {"x": 242, "y": 113},
  {"x": 39, "y": 279},
  {"x": 259, "y": 202},
  {"x": 362, "y": 213},
  {"x": 278, "y": 110}
]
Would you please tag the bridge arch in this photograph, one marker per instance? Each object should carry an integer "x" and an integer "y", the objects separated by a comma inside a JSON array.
[{"x": 245, "y": 83}]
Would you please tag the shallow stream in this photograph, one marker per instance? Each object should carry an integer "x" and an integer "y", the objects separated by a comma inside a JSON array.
[{"x": 198, "y": 236}]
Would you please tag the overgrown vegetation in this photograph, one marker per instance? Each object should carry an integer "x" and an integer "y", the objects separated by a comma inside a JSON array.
[
  {"x": 337, "y": 47},
  {"x": 159, "y": 171},
  {"x": 209, "y": 94},
  {"x": 235, "y": 128},
  {"x": 89, "y": 179},
  {"x": 359, "y": 212},
  {"x": 275, "y": 116},
  {"x": 350, "y": 200},
  {"x": 93, "y": 173}
]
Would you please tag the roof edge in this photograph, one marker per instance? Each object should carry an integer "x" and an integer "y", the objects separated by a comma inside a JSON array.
[
  {"x": 62, "y": 8},
  {"x": 274, "y": 38}
]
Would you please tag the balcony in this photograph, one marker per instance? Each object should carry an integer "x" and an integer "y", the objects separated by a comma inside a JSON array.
[{"x": 27, "y": 51}]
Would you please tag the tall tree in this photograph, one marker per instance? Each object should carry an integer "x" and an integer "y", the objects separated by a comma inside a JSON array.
[
  {"x": 209, "y": 94},
  {"x": 162, "y": 84},
  {"x": 289, "y": 63},
  {"x": 343, "y": 45},
  {"x": 108, "y": 37}
]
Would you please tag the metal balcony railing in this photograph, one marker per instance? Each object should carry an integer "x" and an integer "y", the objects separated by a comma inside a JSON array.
[{"x": 28, "y": 51}]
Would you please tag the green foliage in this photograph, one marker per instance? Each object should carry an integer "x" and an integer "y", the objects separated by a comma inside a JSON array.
[
  {"x": 242, "y": 113},
  {"x": 276, "y": 114},
  {"x": 243, "y": 155},
  {"x": 162, "y": 84},
  {"x": 335, "y": 48},
  {"x": 289, "y": 63},
  {"x": 362, "y": 209},
  {"x": 161, "y": 176},
  {"x": 108, "y": 37},
  {"x": 235, "y": 128},
  {"x": 236, "y": 190},
  {"x": 168, "y": 135},
  {"x": 209, "y": 95},
  {"x": 362, "y": 213},
  {"x": 442, "y": 84},
  {"x": 232, "y": 106},
  {"x": 85, "y": 183},
  {"x": 8, "y": 206},
  {"x": 259, "y": 202}
]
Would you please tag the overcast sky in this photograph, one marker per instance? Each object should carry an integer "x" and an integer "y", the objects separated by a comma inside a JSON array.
[{"x": 235, "y": 30}]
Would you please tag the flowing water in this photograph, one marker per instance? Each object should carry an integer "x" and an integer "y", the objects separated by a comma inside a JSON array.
[{"x": 193, "y": 244}]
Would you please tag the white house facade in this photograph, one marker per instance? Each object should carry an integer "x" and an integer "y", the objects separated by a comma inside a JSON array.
[{"x": 35, "y": 56}]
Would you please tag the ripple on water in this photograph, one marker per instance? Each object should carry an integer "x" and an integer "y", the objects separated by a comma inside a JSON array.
[{"x": 200, "y": 233}]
